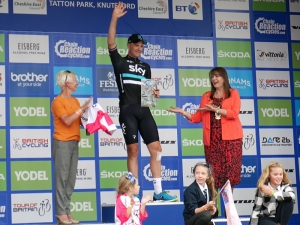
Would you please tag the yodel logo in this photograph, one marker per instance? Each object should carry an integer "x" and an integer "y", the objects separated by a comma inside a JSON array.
[
  {"x": 84, "y": 143},
  {"x": 31, "y": 175},
  {"x": 196, "y": 82},
  {"x": 81, "y": 206},
  {"x": 275, "y": 112},
  {"x": 30, "y": 111}
]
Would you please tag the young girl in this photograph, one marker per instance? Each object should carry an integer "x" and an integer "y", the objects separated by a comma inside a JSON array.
[
  {"x": 129, "y": 210},
  {"x": 274, "y": 198},
  {"x": 199, "y": 204}
]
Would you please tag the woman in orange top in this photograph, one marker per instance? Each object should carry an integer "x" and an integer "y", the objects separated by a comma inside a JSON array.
[
  {"x": 222, "y": 130},
  {"x": 66, "y": 112}
]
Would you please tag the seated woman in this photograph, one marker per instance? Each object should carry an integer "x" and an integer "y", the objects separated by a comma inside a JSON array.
[
  {"x": 199, "y": 206},
  {"x": 274, "y": 198}
]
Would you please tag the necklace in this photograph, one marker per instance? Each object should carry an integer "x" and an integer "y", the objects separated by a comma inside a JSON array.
[{"x": 217, "y": 114}]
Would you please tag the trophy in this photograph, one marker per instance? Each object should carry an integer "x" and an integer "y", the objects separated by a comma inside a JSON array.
[{"x": 148, "y": 87}]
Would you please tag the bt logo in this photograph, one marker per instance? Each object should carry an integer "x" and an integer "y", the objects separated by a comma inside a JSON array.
[{"x": 193, "y": 8}]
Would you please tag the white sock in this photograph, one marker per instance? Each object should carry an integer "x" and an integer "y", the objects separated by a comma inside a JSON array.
[{"x": 157, "y": 185}]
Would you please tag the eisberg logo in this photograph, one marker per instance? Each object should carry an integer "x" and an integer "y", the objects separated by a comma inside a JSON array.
[
  {"x": 166, "y": 174},
  {"x": 65, "y": 49},
  {"x": 271, "y": 56},
  {"x": 232, "y": 25},
  {"x": 264, "y": 26},
  {"x": 156, "y": 52},
  {"x": 272, "y": 83}
]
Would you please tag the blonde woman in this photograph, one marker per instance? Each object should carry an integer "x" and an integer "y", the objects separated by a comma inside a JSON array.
[{"x": 274, "y": 197}]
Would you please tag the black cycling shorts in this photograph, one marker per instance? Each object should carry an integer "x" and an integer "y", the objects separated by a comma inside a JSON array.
[{"x": 134, "y": 118}]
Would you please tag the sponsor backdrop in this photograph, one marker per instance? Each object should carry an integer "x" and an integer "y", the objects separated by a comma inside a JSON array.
[{"x": 257, "y": 41}]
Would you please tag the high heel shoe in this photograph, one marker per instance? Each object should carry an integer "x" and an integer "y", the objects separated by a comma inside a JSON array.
[
  {"x": 74, "y": 221},
  {"x": 63, "y": 222}
]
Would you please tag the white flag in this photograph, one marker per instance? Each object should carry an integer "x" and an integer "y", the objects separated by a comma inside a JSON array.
[{"x": 231, "y": 213}]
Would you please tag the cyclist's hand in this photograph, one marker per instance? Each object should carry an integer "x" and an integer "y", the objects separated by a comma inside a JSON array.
[
  {"x": 119, "y": 10},
  {"x": 156, "y": 93}
]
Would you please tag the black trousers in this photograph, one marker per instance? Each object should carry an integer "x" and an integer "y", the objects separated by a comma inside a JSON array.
[
  {"x": 202, "y": 218},
  {"x": 284, "y": 212}
]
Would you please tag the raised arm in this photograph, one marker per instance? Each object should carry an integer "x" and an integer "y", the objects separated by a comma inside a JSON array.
[{"x": 117, "y": 13}]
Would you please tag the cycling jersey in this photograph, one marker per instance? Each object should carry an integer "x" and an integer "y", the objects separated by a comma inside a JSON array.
[{"x": 129, "y": 72}]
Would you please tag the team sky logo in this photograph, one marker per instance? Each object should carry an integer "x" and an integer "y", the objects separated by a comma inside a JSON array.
[
  {"x": 273, "y": 83},
  {"x": 271, "y": 56},
  {"x": 30, "y": 143}
]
